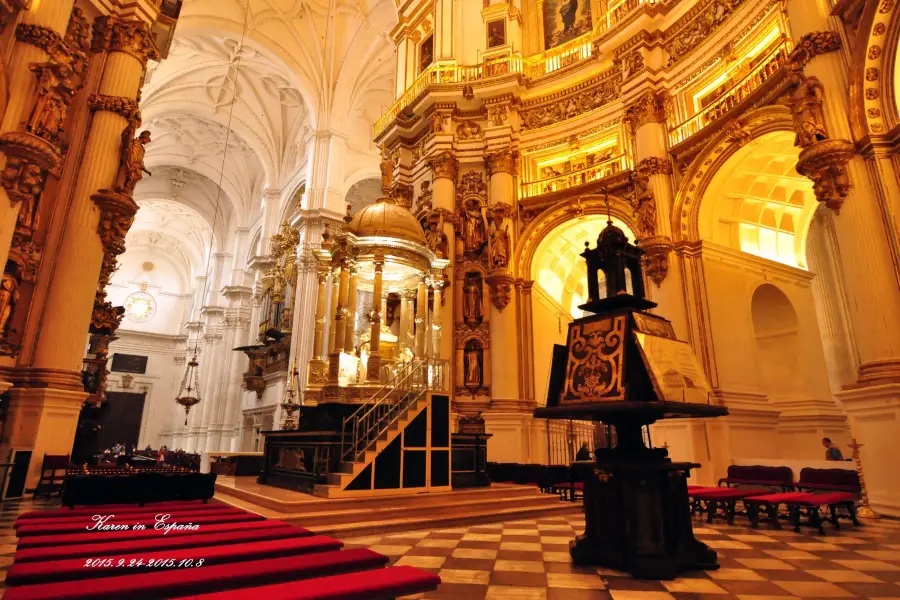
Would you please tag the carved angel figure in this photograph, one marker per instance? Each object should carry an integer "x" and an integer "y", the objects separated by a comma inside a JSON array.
[
  {"x": 131, "y": 168},
  {"x": 806, "y": 106}
]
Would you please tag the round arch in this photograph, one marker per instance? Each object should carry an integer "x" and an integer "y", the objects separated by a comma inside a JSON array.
[
  {"x": 697, "y": 178},
  {"x": 873, "y": 73},
  {"x": 776, "y": 332},
  {"x": 572, "y": 209}
]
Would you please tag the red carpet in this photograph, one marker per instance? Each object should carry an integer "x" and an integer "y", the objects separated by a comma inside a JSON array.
[{"x": 243, "y": 556}]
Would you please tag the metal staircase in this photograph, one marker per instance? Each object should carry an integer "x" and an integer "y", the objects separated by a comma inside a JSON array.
[{"x": 375, "y": 424}]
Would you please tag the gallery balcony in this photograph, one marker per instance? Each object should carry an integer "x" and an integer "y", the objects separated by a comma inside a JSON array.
[{"x": 575, "y": 178}]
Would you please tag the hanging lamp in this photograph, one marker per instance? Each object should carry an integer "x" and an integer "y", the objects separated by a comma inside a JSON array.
[{"x": 189, "y": 393}]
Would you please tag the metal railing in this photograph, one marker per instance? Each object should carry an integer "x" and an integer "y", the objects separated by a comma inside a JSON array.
[
  {"x": 581, "y": 176},
  {"x": 754, "y": 79},
  {"x": 564, "y": 439},
  {"x": 559, "y": 57},
  {"x": 410, "y": 382}
]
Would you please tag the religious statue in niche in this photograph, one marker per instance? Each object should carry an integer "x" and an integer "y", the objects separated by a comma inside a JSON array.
[
  {"x": 473, "y": 358},
  {"x": 426, "y": 53},
  {"x": 496, "y": 33},
  {"x": 806, "y": 106},
  {"x": 435, "y": 237},
  {"x": 387, "y": 171},
  {"x": 499, "y": 244},
  {"x": 472, "y": 299},
  {"x": 475, "y": 229},
  {"x": 9, "y": 296},
  {"x": 56, "y": 86},
  {"x": 424, "y": 201},
  {"x": 131, "y": 168}
]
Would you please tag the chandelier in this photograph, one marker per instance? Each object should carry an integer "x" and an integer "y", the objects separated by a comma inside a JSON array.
[{"x": 189, "y": 393}]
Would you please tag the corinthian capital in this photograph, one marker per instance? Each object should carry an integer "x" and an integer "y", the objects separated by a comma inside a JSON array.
[
  {"x": 132, "y": 37},
  {"x": 444, "y": 166},
  {"x": 650, "y": 107},
  {"x": 500, "y": 162}
]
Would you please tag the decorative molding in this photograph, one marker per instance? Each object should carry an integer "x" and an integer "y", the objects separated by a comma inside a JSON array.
[
  {"x": 124, "y": 107},
  {"x": 117, "y": 213},
  {"x": 44, "y": 38},
  {"x": 649, "y": 107},
  {"x": 444, "y": 166},
  {"x": 655, "y": 259},
  {"x": 500, "y": 284},
  {"x": 696, "y": 26},
  {"x": 653, "y": 165},
  {"x": 825, "y": 163},
  {"x": 500, "y": 162},
  {"x": 571, "y": 105}
]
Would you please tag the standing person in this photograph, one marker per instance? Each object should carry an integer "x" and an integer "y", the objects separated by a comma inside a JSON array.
[{"x": 832, "y": 452}]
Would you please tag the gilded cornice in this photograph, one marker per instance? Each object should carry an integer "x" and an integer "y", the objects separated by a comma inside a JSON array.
[
  {"x": 813, "y": 44},
  {"x": 610, "y": 73},
  {"x": 696, "y": 26},
  {"x": 134, "y": 38}
]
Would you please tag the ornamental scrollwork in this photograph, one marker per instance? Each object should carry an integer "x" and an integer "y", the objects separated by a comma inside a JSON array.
[
  {"x": 571, "y": 105},
  {"x": 117, "y": 213},
  {"x": 444, "y": 166},
  {"x": 825, "y": 163},
  {"x": 500, "y": 284},
  {"x": 78, "y": 32},
  {"x": 471, "y": 184},
  {"x": 654, "y": 165},
  {"x": 124, "y": 107},
  {"x": 813, "y": 44},
  {"x": 500, "y": 162},
  {"x": 699, "y": 25},
  {"x": 469, "y": 130},
  {"x": 649, "y": 107}
]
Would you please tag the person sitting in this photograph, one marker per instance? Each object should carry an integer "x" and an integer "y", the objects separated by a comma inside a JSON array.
[
  {"x": 832, "y": 452},
  {"x": 583, "y": 453}
]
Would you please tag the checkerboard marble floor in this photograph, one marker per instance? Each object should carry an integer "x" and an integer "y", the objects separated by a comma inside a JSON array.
[{"x": 529, "y": 560}]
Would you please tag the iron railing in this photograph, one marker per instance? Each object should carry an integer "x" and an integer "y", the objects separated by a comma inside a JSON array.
[{"x": 410, "y": 382}]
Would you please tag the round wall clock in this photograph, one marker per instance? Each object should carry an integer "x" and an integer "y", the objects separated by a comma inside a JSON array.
[{"x": 140, "y": 307}]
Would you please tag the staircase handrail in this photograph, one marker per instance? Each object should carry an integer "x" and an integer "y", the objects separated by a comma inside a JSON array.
[
  {"x": 391, "y": 383},
  {"x": 366, "y": 413}
]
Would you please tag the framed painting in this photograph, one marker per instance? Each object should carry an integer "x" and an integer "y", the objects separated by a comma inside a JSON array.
[
  {"x": 496, "y": 33},
  {"x": 426, "y": 53},
  {"x": 565, "y": 20}
]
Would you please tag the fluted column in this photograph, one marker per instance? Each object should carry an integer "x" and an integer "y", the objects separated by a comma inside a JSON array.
[
  {"x": 421, "y": 317},
  {"x": 333, "y": 311},
  {"x": 67, "y": 311},
  {"x": 237, "y": 328},
  {"x": 445, "y": 169},
  {"x": 373, "y": 368},
  {"x": 436, "y": 333},
  {"x": 321, "y": 298},
  {"x": 350, "y": 323},
  {"x": 505, "y": 389},
  {"x": 340, "y": 315},
  {"x": 652, "y": 201}
]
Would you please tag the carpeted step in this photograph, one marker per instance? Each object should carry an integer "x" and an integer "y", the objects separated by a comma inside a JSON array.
[
  {"x": 91, "y": 537},
  {"x": 158, "y": 543},
  {"x": 121, "y": 508},
  {"x": 383, "y": 584},
  {"x": 164, "y": 560},
  {"x": 127, "y": 518},
  {"x": 198, "y": 580},
  {"x": 70, "y": 528}
]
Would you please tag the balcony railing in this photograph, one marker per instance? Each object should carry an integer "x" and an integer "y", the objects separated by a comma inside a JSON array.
[
  {"x": 564, "y": 181},
  {"x": 611, "y": 20},
  {"x": 450, "y": 73},
  {"x": 754, "y": 79},
  {"x": 560, "y": 57}
]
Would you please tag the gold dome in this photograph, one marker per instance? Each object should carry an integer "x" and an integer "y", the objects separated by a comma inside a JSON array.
[{"x": 386, "y": 219}]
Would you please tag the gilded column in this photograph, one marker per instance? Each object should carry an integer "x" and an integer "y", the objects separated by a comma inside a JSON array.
[
  {"x": 373, "y": 367},
  {"x": 321, "y": 298},
  {"x": 340, "y": 315},
  {"x": 421, "y": 317},
  {"x": 435, "y": 332},
  {"x": 445, "y": 169},
  {"x": 505, "y": 388},
  {"x": 350, "y": 323},
  {"x": 651, "y": 203},
  {"x": 332, "y": 311}
]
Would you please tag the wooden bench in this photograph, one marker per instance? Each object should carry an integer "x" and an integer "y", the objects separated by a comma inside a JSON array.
[
  {"x": 810, "y": 505},
  {"x": 829, "y": 480},
  {"x": 719, "y": 500},
  {"x": 778, "y": 478}
]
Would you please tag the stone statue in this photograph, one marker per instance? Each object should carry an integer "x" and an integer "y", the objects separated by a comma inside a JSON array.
[
  {"x": 468, "y": 130},
  {"x": 472, "y": 311},
  {"x": 645, "y": 216},
  {"x": 56, "y": 86},
  {"x": 499, "y": 247},
  {"x": 474, "y": 236},
  {"x": 387, "y": 171},
  {"x": 9, "y": 296},
  {"x": 28, "y": 186},
  {"x": 435, "y": 237},
  {"x": 437, "y": 122},
  {"x": 472, "y": 360},
  {"x": 131, "y": 168},
  {"x": 806, "y": 106}
]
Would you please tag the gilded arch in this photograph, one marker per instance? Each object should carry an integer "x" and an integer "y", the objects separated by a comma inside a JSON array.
[
  {"x": 873, "y": 101},
  {"x": 686, "y": 208},
  {"x": 544, "y": 224}
]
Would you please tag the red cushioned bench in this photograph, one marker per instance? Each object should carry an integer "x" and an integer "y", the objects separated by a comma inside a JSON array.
[
  {"x": 778, "y": 478},
  {"x": 770, "y": 502},
  {"x": 92, "y": 537},
  {"x": 128, "y": 518},
  {"x": 811, "y": 503},
  {"x": 160, "y": 542},
  {"x": 712, "y": 500},
  {"x": 383, "y": 584},
  {"x": 121, "y": 508},
  {"x": 65, "y": 528},
  {"x": 117, "y": 564},
  {"x": 240, "y": 577}
]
